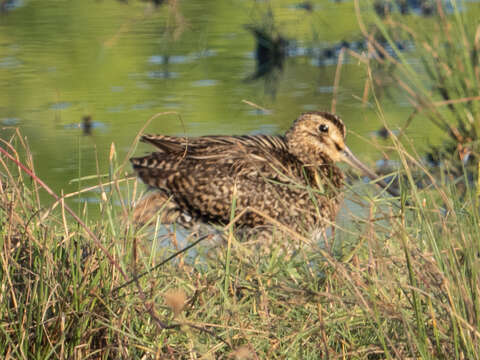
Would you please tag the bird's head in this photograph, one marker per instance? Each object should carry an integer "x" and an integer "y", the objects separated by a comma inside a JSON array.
[{"x": 317, "y": 138}]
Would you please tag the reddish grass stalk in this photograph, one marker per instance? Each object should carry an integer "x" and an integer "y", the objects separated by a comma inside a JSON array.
[{"x": 95, "y": 239}]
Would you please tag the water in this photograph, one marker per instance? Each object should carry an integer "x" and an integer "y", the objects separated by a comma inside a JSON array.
[{"x": 122, "y": 62}]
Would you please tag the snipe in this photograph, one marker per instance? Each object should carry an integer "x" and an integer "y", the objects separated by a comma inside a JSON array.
[{"x": 292, "y": 178}]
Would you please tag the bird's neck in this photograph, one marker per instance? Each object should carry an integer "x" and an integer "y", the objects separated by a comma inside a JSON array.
[
  {"x": 323, "y": 174},
  {"x": 309, "y": 155},
  {"x": 303, "y": 148},
  {"x": 320, "y": 169}
]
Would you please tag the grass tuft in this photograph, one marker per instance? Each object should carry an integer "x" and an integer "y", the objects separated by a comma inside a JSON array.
[{"x": 396, "y": 283}]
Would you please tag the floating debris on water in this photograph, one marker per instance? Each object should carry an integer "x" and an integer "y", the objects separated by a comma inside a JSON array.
[{"x": 86, "y": 124}]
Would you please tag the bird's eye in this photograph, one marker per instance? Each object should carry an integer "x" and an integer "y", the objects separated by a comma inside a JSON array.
[{"x": 323, "y": 128}]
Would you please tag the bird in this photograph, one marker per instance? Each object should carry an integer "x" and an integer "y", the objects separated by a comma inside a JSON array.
[{"x": 291, "y": 178}]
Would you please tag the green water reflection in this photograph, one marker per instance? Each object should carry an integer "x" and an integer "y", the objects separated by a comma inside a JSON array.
[{"x": 122, "y": 62}]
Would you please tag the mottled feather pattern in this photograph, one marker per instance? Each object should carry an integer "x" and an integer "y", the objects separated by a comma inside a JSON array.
[
  {"x": 202, "y": 175},
  {"x": 213, "y": 145}
]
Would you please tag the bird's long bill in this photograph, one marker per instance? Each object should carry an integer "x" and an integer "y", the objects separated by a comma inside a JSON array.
[{"x": 351, "y": 160}]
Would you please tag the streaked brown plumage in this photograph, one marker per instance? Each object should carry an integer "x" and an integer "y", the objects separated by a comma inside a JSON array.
[{"x": 292, "y": 178}]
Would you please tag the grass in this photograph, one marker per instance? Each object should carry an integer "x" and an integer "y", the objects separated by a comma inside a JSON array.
[
  {"x": 444, "y": 88},
  {"x": 399, "y": 282}
]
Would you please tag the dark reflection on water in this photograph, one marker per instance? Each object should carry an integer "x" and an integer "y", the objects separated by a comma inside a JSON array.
[{"x": 122, "y": 62}]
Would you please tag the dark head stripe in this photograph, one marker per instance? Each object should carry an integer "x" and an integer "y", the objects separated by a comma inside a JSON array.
[{"x": 329, "y": 116}]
